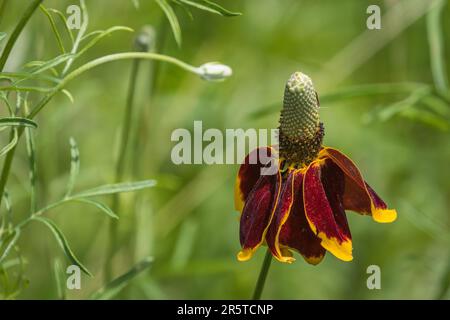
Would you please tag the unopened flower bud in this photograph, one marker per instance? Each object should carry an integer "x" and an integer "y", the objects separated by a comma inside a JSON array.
[{"x": 214, "y": 71}]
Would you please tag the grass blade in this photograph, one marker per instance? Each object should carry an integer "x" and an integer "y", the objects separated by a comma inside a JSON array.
[
  {"x": 115, "y": 286},
  {"x": 17, "y": 122},
  {"x": 64, "y": 21},
  {"x": 32, "y": 164},
  {"x": 62, "y": 241},
  {"x": 436, "y": 43},
  {"x": 54, "y": 29},
  {"x": 8, "y": 243},
  {"x": 11, "y": 144},
  {"x": 99, "y": 205},
  {"x": 173, "y": 20},
  {"x": 17, "y": 31},
  {"x": 2, "y": 36},
  {"x": 212, "y": 7},
  {"x": 59, "y": 279},
  {"x": 74, "y": 165},
  {"x": 101, "y": 35},
  {"x": 116, "y": 188},
  {"x": 51, "y": 63}
]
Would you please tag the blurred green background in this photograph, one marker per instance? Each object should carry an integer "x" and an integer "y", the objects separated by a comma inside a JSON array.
[{"x": 397, "y": 135}]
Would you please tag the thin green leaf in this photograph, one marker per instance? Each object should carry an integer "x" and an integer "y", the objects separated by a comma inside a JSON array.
[
  {"x": 32, "y": 167},
  {"x": 8, "y": 218},
  {"x": 54, "y": 28},
  {"x": 25, "y": 89},
  {"x": 221, "y": 9},
  {"x": 101, "y": 35},
  {"x": 17, "y": 122},
  {"x": 64, "y": 20},
  {"x": 115, "y": 286},
  {"x": 59, "y": 279},
  {"x": 116, "y": 188},
  {"x": 388, "y": 112},
  {"x": 11, "y": 263},
  {"x": 2, "y": 36},
  {"x": 436, "y": 44},
  {"x": 210, "y": 7},
  {"x": 173, "y": 20},
  {"x": 74, "y": 165},
  {"x": 4, "y": 97},
  {"x": 13, "y": 75},
  {"x": 62, "y": 241},
  {"x": 8, "y": 243},
  {"x": 99, "y": 205},
  {"x": 68, "y": 95},
  {"x": 185, "y": 8},
  {"x": 52, "y": 63},
  {"x": 427, "y": 118},
  {"x": 11, "y": 144}
]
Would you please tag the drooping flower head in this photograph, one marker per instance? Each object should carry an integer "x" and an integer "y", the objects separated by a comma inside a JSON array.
[{"x": 301, "y": 206}]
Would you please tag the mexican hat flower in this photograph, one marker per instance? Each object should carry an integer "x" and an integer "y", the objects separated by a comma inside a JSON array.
[{"x": 301, "y": 206}]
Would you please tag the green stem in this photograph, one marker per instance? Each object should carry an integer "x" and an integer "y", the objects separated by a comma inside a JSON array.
[
  {"x": 74, "y": 74},
  {"x": 2, "y": 8},
  {"x": 126, "y": 128},
  {"x": 262, "y": 275},
  {"x": 17, "y": 30},
  {"x": 436, "y": 44}
]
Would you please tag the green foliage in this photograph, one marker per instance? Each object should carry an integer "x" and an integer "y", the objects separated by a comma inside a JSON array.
[
  {"x": 204, "y": 5},
  {"x": 388, "y": 109},
  {"x": 113, "y": 288}
]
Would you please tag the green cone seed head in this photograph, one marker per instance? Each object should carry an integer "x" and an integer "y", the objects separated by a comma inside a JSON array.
[
  {"x": 300, "y": 113},
  {"x": 301, "y": 131}
]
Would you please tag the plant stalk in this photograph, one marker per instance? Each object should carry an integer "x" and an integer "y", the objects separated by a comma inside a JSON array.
[
  {"x": 262, "y": 275},
  {"x": 16, "y": 32},
  {"x": 126, "y": 129}
]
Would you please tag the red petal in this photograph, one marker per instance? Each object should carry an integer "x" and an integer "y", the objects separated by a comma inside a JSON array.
[
  {"x": 295, "y": 233},
  {"x": 358, "y": 195},
  {"x": 257, "y": 214},
  {"x": 279, "y": 218},
  {"x": 248, "y": 175},
  {"x": 321, "y": 218}
]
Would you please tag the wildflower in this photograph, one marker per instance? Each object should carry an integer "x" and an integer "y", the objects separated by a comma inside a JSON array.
[{"x": 302, "y": 206}]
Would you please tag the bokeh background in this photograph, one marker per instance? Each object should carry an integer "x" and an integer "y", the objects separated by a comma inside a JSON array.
[{"x": 380, "y": 103}]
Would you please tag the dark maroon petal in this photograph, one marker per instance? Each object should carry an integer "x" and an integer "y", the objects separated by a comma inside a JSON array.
[
  {"x": 295, "y": 233},
  {"x": 358, "y": 195},
  {"x": 257, "y": 214},
  {"x": 320, "y": 215},
  {"x": 249, "y": 173},
  {"x": 333, "y": 182},
  {"x": 280, "y": 215}
]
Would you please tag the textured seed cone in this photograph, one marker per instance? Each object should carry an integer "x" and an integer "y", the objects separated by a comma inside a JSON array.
[{"x": 301, "y": 132}]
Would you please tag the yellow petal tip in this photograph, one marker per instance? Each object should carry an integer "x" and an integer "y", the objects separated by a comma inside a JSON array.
[
  {"x": 245, "y": 254},
  {"x": 384, "y": 215},
  {"x": 342, "y": 251}
]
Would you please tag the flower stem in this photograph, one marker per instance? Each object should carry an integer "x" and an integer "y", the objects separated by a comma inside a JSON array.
[
  {"x": 17, "y": 30},
  {"x": 262, "y": 276},
  {"x": 126, "y": 128},
  {"x": 142, "y": 43}
]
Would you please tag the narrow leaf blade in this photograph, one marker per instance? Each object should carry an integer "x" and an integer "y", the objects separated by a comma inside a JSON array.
[
  {"x": 115, "y": 286},
  {"x": 104, "y": 208},
  {"x": 173, "y": 20},
  {"x": 115, "y": 188},
  {"x": 17, "y": 122},
  {"x": 63, "y": 243}
]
